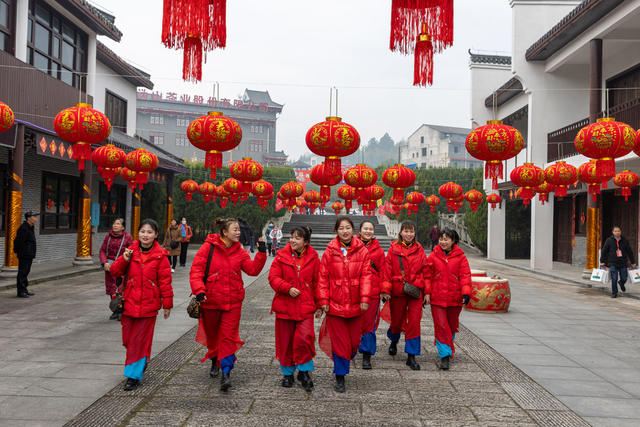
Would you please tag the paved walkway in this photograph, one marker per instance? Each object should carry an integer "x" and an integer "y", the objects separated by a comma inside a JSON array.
[{"x": 48, "y": 271}]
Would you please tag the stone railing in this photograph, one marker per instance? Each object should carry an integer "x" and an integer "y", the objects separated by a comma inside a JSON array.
[
  {"x": 456, "y": 222},
  {"x": 392, "y": 226}
]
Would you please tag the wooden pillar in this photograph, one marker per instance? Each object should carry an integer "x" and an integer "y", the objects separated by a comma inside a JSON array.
[
  {"x": 13, "y": 218},
  {"x": 83, "y": 245},
  {"x": 169, "y": 203},
  {"x": 135, "y": 213}
]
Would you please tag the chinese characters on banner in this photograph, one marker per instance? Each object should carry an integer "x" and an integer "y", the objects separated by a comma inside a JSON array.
[{"x": 236, "y": 104}]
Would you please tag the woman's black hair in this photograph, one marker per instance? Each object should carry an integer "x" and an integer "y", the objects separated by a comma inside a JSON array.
[
  {"x": 405, "y": 225},
  {"x": 302, "y": 231},
  {"x": 124, "y": 224},
  {"x": 151, "y": 223},
  {"x": 616, "y": 226},
  {"x": 452, "y": 234},
  {"x": 223, "y": 224},
  {"x": 173, "y": 219},
  {"x": 366, "y": 222},
  {"x": 339, "y": 221}
]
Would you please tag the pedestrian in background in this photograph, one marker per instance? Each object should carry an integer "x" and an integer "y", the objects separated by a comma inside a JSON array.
[
  {"x": 115, "y": 242},
  {"x": 186, "y": 234},
  {"x": 247, "y": 236},
  {"x": 344, "y": 291},
  {"x": 147, "y": 288},
  {"x": 616, "y": 254},
  {"x": 447, "y": 288},
  {"x": 371, "y": 317},
  {"x": 172, "y": 240},
  {"x": 434, "y": 234},
  {"x": 404, "y": 267},
  {"x": 221, "y": 294},
  {"x": 294, "y": 277},
  {"x": 24, "y": 246},
  {"x": 276, "y": 235},
  {"x": 267, "y": 236}
]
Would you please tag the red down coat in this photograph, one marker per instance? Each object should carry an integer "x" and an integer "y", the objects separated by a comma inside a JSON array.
[
  {"x": 224, "y": 287},
  {"x": 447, "y": 277},
  {"x": 413, "y": 261},
  {"x": 377, "y": 259},
  {"x": 345, "y": 281},
  {"x": 284, "y": 275},
  {"x": 148, "y": 286}
]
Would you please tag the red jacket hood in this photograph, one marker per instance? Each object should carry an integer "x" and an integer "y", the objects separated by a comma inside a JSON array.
[
  {"x": 156, "y": 249},
  {"x": 335, "y": 245},
  {"x": 286, "y": 256},
  {"x": 216, "y": 240},
  {"x": 455, "y": 251},
  {"x": 397, "y": 248}
]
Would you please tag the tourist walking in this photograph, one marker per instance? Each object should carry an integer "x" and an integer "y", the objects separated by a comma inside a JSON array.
[
  {"x": 402, "y": 286},
  {"x": 344, "y": 291},
  {"x": 147, "y": 288},
  {"x": 276, "y": 235},
  {"x": 221, "y": 294},
  {"x": 24, "y": 246},
  {"x": 434, "y": 234},
  {"x": 447, "y": 288},
  {"x": 371, "y": 317},
  {"x": 267, "y": 236},
  {"x": 247, "y": 236},
  {"x": 294, "y": 277},
  {"x": 115, "y": 242},
  {"x": 186, "y": 234},
  {"x": 172, "y": 240},
  {"x": 616, "y": 254}
]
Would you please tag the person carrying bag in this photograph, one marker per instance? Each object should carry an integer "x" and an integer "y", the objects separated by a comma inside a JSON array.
[{"x": 616, "y": 254}]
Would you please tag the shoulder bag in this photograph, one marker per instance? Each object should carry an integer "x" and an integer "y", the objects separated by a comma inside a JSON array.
[
  {"x": 193, "y": 309},
  {"x": 407, "y": 288},
  {"x": 116, "y": 304}
]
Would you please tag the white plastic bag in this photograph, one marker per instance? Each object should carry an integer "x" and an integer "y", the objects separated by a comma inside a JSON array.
[
  {"x": 634, "y": 275},
  {"x": 600, "y": 275}
]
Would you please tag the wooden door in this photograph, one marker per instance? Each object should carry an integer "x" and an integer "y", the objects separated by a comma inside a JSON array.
[
  {"x": 562, "y": 220},
  {"x": 615, "y": 211}
]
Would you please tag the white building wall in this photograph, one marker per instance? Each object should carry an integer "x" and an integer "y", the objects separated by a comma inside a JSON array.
[{"x": 106, "y": 80}]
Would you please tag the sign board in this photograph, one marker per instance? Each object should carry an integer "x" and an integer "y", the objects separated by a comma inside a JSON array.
[{"x": 95, "y": 214}]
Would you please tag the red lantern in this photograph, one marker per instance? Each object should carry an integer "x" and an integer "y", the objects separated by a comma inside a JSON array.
[
  {"x": 208, "y": 190},
  {"x": 587, "y": 173},
  {"x": 189, "y": 187},
  {"x": 543, "y": 191},
  {"x": 475, "y": 198},
  {"x": 214, "y": 133},
  {"x": 432, "y": 201},
  {"x": 494, "y": 199},
  {"x": 605, "y": 141},
  {"x": 360, "y": 177},
  {"x": 302, "y": 205},
  {"x": 423, "y": 59},
  {"x": 374, "y": 193},
  {"x": 333, "y": 139},
  {"x": 234, "y": 188},
  {"x": 528, "y": 177},
  {"x": 82, "y": 126},
  {"x": 312, "y": 197},
  {"x": 292, "y": 190},
  {"x": 561, "y": 175},
  {"x": 494, "y": 143},
  {"x": 6, "y": 117},
  {"x": 108, "y": 159},
  {"x": 636, "y": 147},
  {"x": 399, "y": 177},
  {"x": 248, "y": 171},
  {"x": 348, "y": 194},
  {"x": 129, "y": 176},
  {"x": 262, "y": 188},
  {"x": 626, "y": 180},
  {"x": 320, "y": 176},
  {"x": 451, "y": 191},
  {"x": 142, "y": 162},
  {"x": 337, "y": 207},
  {"x": 223, "y": 195},
  {"x": 108, "y": 175}
]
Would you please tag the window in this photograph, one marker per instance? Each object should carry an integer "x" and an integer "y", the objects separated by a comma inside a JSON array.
[
  {"x": 422, "y": 140},
  {"x": 431, "y": 152},
  {"x": 181, "y": 141},
  {"x": 6, "y": 24},
  {"x": 424, "y": 152},
  {"x": 456, "y": 149},
  {"x": 59, "y": 205},
  {"x": 423, "y": 165},
  {"x": 116, "y": 111},
  {"x": 182, "y": 122},
  {"x": 157, "y": 120},
  {"x": 157, "y": 138},
  {"x": 256, "y": 146},
  {"x": 54, "y": 45},
  {"x": 113, "y": 204}
]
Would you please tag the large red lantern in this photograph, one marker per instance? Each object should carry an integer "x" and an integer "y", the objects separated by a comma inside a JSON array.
[
  {"x": 415, "y": 199},
  {"x": 320, "y": 176},
  {"x": 494, "y": 143},
  {"x": 129, "y": 176},
  {"x": 208, "y": 190},
  {"x": 214, "y": 133},
  {"x": 248, "y": 171},
  {"x": 108, "y": 159},
  {"x": 6, "y": 117},
  {"x": 142, "y": 162},
  {"x": 494, "y": 199},
  {"x": 433, "y": 201},
  {"x": 451, "y": 191},
  {"x": 543, "y": 191},
  {"x": 263, "y": 190},
  {"x": 333, "y": 139},
  {"x": 312, "y": 197},
  {"x": 528, "y": 177},
  {"x": 337, "y": 207},
  {"x": 605, "y": 141},
  {"x": 587, "y": 173},
  {"x": 348, "y": 194},
  {"x": 626, "y": 180},
  {"x": 82, "y": 126},
  {"x": 360, "y": 177},
  {"x": 373, "y": 194},
  {"x": 292, "y": 190},
  {"x": 475, "y": 198},
  {"x": 399, "y": 177},
  {"x": 189, "y": 187},
  {"x": 636, "y": 147},
  {"x": 223, "y": 196},
  {"x": 234, "y": 188},
  {"x": 561, "y": 175}
]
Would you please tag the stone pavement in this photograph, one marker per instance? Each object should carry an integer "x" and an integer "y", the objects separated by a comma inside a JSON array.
[
  {"x": 481, "y": 389},
  {"x": 50, "y": 270}
]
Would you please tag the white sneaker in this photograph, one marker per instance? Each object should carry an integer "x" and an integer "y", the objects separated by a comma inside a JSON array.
[{"x": 173, "y": 270}]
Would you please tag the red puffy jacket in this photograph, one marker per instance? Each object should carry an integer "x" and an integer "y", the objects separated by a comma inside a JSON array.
[
  {"x": 447, "y": 277},
  {"x": 285, "y": 274},
  {"x": 224, "y": 287},
  {"x": 148, "y": 286},
  {"x": 413, "y": 261},
  {"x": 345, "y": 281},
  {"x": 377, "y": 265}
]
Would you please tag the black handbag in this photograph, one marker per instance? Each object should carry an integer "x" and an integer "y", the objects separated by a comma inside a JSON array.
[
  {"x": 116, "y": 305},
  {"x": 174, "y": 244},
  {"x": 193, "y": 309},
  {"x": 408, "y": 289}
]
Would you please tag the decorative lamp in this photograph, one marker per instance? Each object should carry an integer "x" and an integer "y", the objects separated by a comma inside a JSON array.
[
  {"x": 626, "y": 180},
  {"x": 214, "y": 133},
  {"x": 248, "y": 171},
  {"x": 333, "y": 139},
  {"x": 432, "y": 201},
  {"x": 475, "y": 198},
  {"x": 561, "y": 175},
  {"x": 399, "y": 177},
  {"x": 6, "y": 117},
  {"x": 142, "y": 162},
  {"x": 208, "y": 190},
  {"x": 528, "y": 177},
  {"x": 189, "y": 187},
  {"x": 494, "y": 199}
]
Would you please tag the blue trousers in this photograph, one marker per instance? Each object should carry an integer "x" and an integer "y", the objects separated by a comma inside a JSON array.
[{"x": 616, "y": 272}]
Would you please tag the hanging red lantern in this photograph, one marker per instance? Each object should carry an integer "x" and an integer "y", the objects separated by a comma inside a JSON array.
[
  {"x": 423, "y": 59},
  {"x": 399, "y": 177},
  {"x": 626, "y": 180},
  {"x": 636, "y": 147},
  {"x": 415, "y": 199},
  {"x": 189, "y": 187},
  {"x": 360, "y": 177},
  {"x": 494, "y": 143},
  {"x": 337, "y": 207},
  {"x": 561, "y": 175},
  {"x": 248, "y": 171},
  {"x": 292, "y": 190},
  {"x": 263, "y": 190},
  {"x": 374, "y": 193},
  {"x": 129, "y": 176},
  {"x": 6, "y": 117},
  {"x": 432, "y": 201},
  {"x": 494, "y": 199},
  {"x": 208, "y": 190},
  {"x": 223, "y": 196},
  {"x": 348, "y": 194},
  {"x": 108, "y": 159},
  {"x": 587, "y": 173},
  {"x": 214, "y": 133},
  {"x": 234, "y": 188},
  {"x": 320, "y": 176},
  {"x": 605, "y": 141},
  {"x": 528, "y": 177},
  {"x": 333, "y": 139},
  {"x": 475, "y": 198},
  {"x": 451, "y": 191},
  {"x": 108, "y": 175},
  {"x": 82, "y": 126},
  {"x": 543, "y": 191},
  {"x": 312, "y": 197},
  {"x": 302, "y": 205},
  {"x": 142, "y": 162}
]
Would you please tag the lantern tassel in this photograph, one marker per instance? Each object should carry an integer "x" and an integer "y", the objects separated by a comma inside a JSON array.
[
  {"x": 348, "y": 204},
  {"x": 561, "y": 191},
  {"x": 223, "y": 202},
  {"x": 626, "y": 192},
  {"x": 493, "y": 170},
  {"x": 213, "y": 160},
  {"x": 398, "y": 193},
  {"x": 189, "y": 196},
  {"x": 192, "y": 61},
  {"x": 325, "y": 192},
  {"x": 423, "y": 60},
  {"x": 333, "y": 166},
  {"x": 81, "y": 152},
  {"x": 605, "y": 168}
]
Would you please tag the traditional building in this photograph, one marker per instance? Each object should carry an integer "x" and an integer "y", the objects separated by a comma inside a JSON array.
[
  {"x": 432, "y": 146},
  {"x": 572, "y": 62},
  {"x": 163, "y": 120}
]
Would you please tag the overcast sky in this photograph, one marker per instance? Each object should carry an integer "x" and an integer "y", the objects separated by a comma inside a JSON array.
[{"x": 298, "y": 49}]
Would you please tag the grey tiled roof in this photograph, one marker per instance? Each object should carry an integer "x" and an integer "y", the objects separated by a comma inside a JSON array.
[
  {"x": 505, "y": 92},
  {"x": 477, "y": 58},
  {"x": 259, "y": 97},
  {"x": 129, "y": 143}
]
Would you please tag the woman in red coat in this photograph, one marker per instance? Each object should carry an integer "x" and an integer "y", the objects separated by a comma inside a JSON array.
[
  {"x": 371, "y": 317},
  {"x": 405, "y": 263},
  {"x": 344, "y": 291},
  {"x": 221, "y": 294},
  {"x": 447, "y": 288},
  {"x": 294, "y": 277},
  {"x": 112, "y": 247},
  {"x": 147, "y": 288}
]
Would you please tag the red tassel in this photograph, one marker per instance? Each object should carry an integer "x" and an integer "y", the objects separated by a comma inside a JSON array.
[
  {"x": 223, "y": 202},
  {"x": 493, "y": 171},
  {"x": 325, "y": 192},
  {"x": 192, "y": 62},
  {"x": 333, "y": 166},
  {"x": 398, "y": 193},
  {"x": 423, "y": 61},
  {"x": 407, "y": 17}
]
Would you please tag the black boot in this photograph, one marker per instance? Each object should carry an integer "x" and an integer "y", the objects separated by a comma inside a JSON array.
[
  {"x": 131, "y": 384},
  {"x": 444, "y": 363},
  {"x": 215, "y": 371},
  {"x": 411, "y": 362},
  {"x": 114, "y": 316},
  {"x": 225, "y": 381},
  {"x": 393, "y": 348},
  {"x": 287, "y": 381},
  {"x": 339, "y": 386},
  {"x": 366, "y": 360},
  {"x": 305, "y": 380}
]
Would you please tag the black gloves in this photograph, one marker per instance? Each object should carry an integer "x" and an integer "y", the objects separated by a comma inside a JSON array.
[
  {"x": 262, "y": 247},
  {"x": 200, "y": 297},
  {"x": 465, "y": 299}
]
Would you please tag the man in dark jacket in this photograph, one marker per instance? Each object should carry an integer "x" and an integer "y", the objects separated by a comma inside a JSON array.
[
  {"x": 617, "y": 254},
  {"x": 24, "y": 245},
  {"x": 247, "y": 238},
  {"x": 434, "y": 234}
]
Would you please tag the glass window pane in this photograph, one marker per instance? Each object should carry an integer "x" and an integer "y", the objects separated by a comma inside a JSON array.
[
  {"x": 50, "y": 194},
  {"x": 30, "y": 31},
  {"x": 55, "y": 70},
  {"x": 56, "y": 24},
  {"x": 43, "y": 15},
  {"x": 4, "y": 14},
  {"x": 41, "y": 62},
  {"x": 67, "y": 54},
  {"x": 66, "y": 76},
  {"x": 49, "y": 221},
  {"x": 42, "y": 38},
  {"x": 63, "y": 221},
  {"x": 55, "y": 47},
  {"x": 68, "y": 33},
  {"x": 4, "y": 42}
]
